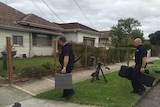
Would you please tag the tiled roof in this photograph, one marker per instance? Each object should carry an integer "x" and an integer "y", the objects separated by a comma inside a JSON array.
[
  {"x": 9, "y": 16},
  {"x": 38, "y": 20},
  {"x": 14, "y": 18},
  {"x": 76, "y": 25},
  {"x": 104, "y": 35}
]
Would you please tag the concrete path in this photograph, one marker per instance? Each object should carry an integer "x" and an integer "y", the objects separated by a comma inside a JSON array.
[
  {"x": 46, "y": 103},
  {"x": 9, "y": 95},
  {"x": 34, "y": 87},
  {"x": 151, "y": 99}
]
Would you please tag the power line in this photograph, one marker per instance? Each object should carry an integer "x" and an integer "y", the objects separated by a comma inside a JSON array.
[
  {"x": 54, "y": 6},
  {"x": 38, "y": 8},
  {"x": 52, "y": 11},
  {"x": 83, "y": 13}
]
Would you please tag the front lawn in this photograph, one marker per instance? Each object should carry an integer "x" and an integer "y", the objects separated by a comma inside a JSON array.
[
  {"x": 116, "y": 93},
  {"x": 19, "y": 64}
]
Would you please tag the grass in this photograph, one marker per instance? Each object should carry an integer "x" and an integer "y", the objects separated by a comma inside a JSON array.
[
  {"x": 19, "y": 64},
  {"x": 116, "y": 93}
]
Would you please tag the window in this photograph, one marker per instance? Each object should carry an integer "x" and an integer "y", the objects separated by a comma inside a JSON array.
[
  {"x": 42, "y": 40},
  {"x": 18, "y": 40},
  {"x": 89, "y": 41}
]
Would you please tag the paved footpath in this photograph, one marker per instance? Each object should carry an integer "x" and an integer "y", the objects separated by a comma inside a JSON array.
[
  {"x": 23, "y": 92},
  {"x": 151, "y": 99}
]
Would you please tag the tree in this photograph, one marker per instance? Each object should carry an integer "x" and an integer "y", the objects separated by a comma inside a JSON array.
[
  {"x": 137, "y": 33},
  {"x": 155, "y": 38},
  {"x": 117, "y": 36},
  {"x": 123, "y": 31}
]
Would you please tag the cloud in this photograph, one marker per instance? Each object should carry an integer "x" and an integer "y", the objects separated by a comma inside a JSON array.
[{"x": 102, "y": 13}]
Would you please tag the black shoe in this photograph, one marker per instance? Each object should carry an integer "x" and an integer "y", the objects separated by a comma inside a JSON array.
[
  {"x": 70, "y": 95},
  {"x": 135, "y": 92},
  {"x": 62, "y": 96},
  {"x": 142, "y": 92}
]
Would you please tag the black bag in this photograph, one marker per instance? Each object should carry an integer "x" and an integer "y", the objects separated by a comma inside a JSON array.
[
  {"x": 17, "y": 105},
  {"x": 146, "y": 79},
  {"x": 126, "y": 72}
]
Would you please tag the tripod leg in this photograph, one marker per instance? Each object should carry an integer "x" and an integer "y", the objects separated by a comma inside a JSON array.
[
  {"x": 104, "y": 76},
  {"x": 95, "y": 75}
]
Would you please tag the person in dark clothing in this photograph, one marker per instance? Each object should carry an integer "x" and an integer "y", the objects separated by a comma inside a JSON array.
[
  {"x": 140, "y": 64},
  {"x": 66, "y": 60}
]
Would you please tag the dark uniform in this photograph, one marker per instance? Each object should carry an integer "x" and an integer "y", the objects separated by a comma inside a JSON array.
[
  {"x": 139, "y": 54},
  {"x": 67, "y": 51}
]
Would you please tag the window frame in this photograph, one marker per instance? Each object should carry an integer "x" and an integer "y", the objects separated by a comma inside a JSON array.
[
  {"x": 89, "y": 39},
  {"x": 38, "y": 42},
  {"x": 18, "y": 40}
]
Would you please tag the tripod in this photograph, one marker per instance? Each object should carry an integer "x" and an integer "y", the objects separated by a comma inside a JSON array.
[{"x": 96, "y": 73}]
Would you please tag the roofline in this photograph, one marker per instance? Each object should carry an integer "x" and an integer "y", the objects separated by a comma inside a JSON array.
[
  {"x": 26, "y": 30},
  {"x": 82, "y": 30},
  {"x": 39, "y": 25}
]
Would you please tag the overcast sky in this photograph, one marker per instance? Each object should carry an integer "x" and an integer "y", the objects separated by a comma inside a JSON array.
[{"x": 102, "y": 14}]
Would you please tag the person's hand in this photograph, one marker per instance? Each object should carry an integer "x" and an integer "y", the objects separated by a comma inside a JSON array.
[
  {"x": 63, "y": 71},
  {"x": 142, "y": 70}
]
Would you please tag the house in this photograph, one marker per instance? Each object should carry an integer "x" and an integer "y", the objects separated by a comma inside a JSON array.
[
  {"x": 104, "y": 39},
  {"x": 80, "y": 33},
  {"x": 30, "y": 34},
  {"x": 33, "y": 36}
]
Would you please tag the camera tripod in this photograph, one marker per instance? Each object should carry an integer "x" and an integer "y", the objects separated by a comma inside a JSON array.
[{"x": 96, "y": 73}]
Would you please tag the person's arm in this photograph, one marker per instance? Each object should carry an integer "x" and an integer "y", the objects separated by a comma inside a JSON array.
[
  {"x": 144, "y": 62},
  {"x": 65, "y": 60}
]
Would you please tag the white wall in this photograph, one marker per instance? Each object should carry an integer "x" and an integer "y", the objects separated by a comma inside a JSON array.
[
  {"x": 20, "y": 49},
  {"x": 42, "y": 51},
  {"x": 78, "y": 37},
  {"x": 71, "y": 36},
  {"x": 81, "y": 35}
]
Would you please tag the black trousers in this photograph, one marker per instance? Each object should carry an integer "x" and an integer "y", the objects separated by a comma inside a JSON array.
[
  {"x": 67, "y": 92},
  {"x": 137, "y": 86}
]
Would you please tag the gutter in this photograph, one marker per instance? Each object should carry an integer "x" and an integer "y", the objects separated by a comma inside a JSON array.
[
  {"x": 38, "y": 25},
  {"x": 27, "y": 30},
  {"x": 82, "y": 30}
]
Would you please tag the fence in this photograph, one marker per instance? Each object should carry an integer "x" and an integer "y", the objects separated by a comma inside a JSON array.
[
  {"x": 91, "y": 55},
  {"x": 113, "y": 55}
]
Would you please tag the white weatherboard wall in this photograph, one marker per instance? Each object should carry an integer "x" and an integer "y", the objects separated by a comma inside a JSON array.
[
  {"x": 71, "y": 37},
  {"x": 42, "y": 51},
  {"x": 77, "y": 37},
  {"x": 81, "y": 35},
  {"x": 9, "y": 33}
]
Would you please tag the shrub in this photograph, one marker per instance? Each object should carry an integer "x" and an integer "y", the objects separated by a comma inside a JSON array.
[
  {"x": 33, "y": 71},
  {"x": 48, "y": 66}
]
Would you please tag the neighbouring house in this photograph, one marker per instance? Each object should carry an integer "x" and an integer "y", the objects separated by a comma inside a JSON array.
[
  {"x": 30, "y": 34},
  {"x": 104, "y": 39},
  {"x": 79, "y": 33}
]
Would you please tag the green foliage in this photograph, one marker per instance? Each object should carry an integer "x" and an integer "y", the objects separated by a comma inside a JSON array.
[
  {"x": 49, "y": 67},
  {"x": 148, "y": 45},
  {"x": 125, "y": 29},
  {"x": 112, "y": 55},
  {"x": 33, "y": 71},
  {"x": 155, "y": 38},
  {"x": 137, "y": 33},
  {"x": 128, "y": 25},
  {"x": 22, "y": 63}
]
